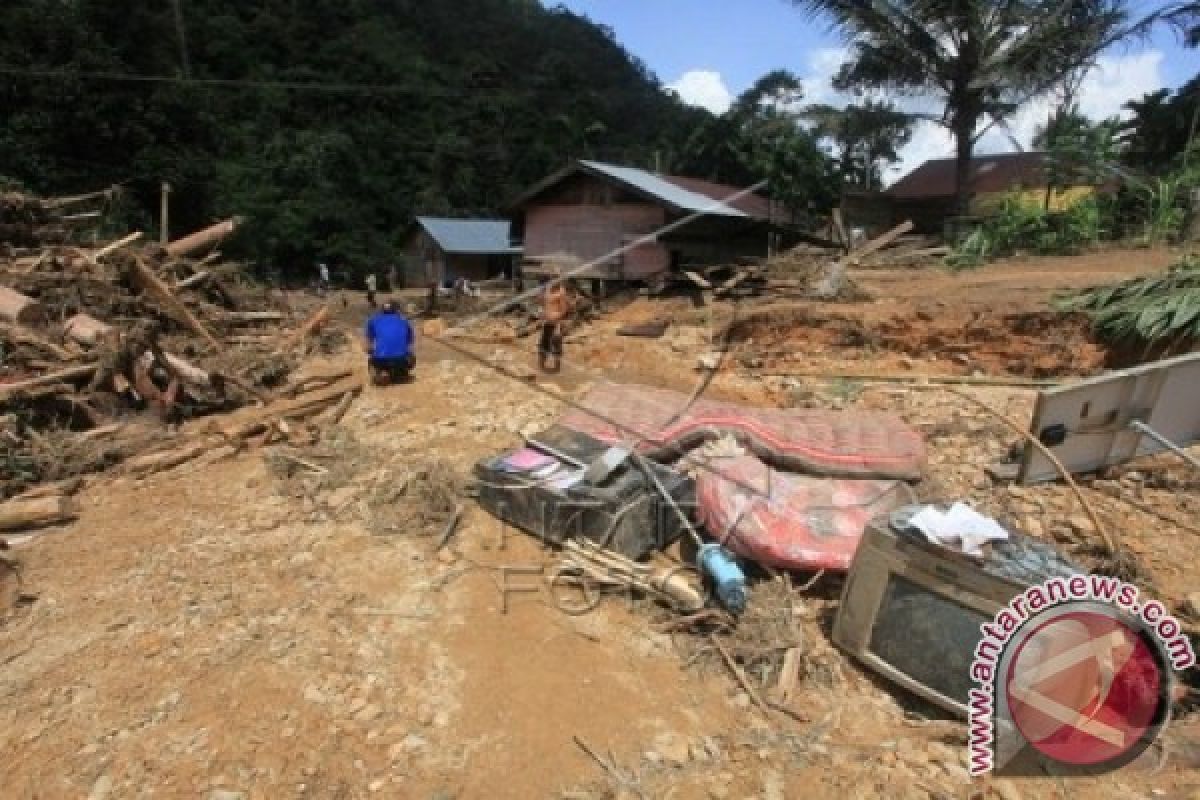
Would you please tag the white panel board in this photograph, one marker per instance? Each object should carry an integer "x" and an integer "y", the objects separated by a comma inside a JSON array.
[{"x": 1096, "y": 413}]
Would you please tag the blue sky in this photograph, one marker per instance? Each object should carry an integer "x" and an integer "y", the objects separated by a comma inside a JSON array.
[{"x": 710, "y": 50}]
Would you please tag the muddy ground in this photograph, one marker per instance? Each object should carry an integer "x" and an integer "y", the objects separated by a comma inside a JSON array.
[{"x": 219, "y": 633}]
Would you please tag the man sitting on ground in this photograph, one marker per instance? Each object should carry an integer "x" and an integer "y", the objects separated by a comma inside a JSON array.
[{"x": 389, "y": 345}]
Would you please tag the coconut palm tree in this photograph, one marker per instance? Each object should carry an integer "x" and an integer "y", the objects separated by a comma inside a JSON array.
[{"x": 981, "y": 58}]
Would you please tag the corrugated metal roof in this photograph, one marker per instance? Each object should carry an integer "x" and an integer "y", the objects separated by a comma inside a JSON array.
[
  {"x": 661, "y": 188},
  {"x": 752, "y": 205},
  {"x": 989, "y": 174},
  {"x": 469, "y": 236}
]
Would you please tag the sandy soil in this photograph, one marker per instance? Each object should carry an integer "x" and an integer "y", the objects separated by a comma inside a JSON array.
[{"x": 208, "y": 633}]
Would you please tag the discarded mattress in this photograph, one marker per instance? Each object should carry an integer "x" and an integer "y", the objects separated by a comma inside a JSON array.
[
  {"x": 844, "y": 444},
  {"x": 789, "y": 521}
]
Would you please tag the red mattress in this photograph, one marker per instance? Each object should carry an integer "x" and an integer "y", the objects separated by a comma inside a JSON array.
[
  {"x": 789, "y": 521},
  {"x": 843, "y": 444}
]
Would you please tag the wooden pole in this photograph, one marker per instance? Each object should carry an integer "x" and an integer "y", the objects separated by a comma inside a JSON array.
[
  {"x": 164, "y": 230},
  {"x": 203, "y": 238}
]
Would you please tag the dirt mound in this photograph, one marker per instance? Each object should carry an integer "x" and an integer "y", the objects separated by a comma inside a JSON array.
[{"x": 1040, "y": 344}]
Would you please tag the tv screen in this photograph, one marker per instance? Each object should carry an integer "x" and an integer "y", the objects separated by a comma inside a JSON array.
[{"x": 927, "y": 636}]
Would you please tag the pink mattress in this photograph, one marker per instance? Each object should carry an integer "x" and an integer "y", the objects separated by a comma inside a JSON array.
[
  {"x": 843, "y": 444},
  {"x": 789, "y": 521}
]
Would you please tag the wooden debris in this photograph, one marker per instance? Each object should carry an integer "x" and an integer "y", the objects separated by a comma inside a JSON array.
[
  {"x": 18, "y": 334},
  {"x": 835, "y": 276},
  {"x": 8, "y": 390},
  {"x": 88, "y": 330},
  {"x": 203, "y": 238},
  {"x": 144, "y": 466},
  {"x": 37, "y": 512},
  {"x": 311, "y": 326},
  {"x": 22, "y": 310},
  {"x": 738, "y": 675},
  {"x": 140, "y": 326},
  {"x": 154, "y": 285}
]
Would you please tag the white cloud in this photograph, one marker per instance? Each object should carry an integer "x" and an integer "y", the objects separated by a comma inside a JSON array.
[
  {"x": 704, "y": 88},
  {"x": 1115, "y": 80}
]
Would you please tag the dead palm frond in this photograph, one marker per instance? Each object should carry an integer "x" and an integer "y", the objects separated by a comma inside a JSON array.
[{"x": 1160, "y": 309}]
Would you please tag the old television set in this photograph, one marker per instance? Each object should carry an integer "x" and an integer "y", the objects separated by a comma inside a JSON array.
[{"x": 911, "y": 610}]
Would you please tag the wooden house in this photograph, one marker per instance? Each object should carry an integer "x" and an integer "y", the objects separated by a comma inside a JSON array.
[
  {"x": 440, "y": 250},
  {"x": 630, "y": 224}
]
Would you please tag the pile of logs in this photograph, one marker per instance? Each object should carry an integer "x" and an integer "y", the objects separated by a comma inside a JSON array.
[{"x": 106, "y": 353}]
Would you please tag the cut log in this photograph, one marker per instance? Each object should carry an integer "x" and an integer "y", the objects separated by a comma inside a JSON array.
[
  {"x": 154, "y": 285},
  {"x": 88, "y": 331},
  {"x": 37, "y": 512},
  {"x": 7, "y": 390},
  {"x": 22, "y": 310},
  {"x": 334, "y": 415},
  {"x": 311, "y": 326},
  {"x": 187, "y": 372},
  {"x": 65, "y": 487},
  {"x": 143, "y": 466},
  {"x": 239, "y": 426},
  {"x": 835, "y": 277},
  {"x": 203, "y": 238}
]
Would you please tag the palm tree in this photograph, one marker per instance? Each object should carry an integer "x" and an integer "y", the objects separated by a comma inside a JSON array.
[{"x": 982, "y": 58}]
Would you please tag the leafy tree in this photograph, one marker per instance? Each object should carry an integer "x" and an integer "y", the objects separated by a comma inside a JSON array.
[
  {"x": 330, "y": 123},
  {"x": 1161, "y": 128},
  {"x": 982, "y": 60},
  {"x": 760, "y": 138},
  {"x": 1081, "y": 152},
  {"x": 867, "y": 138}
]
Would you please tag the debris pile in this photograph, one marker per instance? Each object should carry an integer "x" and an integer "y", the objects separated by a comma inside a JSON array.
[
  {"x": 105, "y": 351},
  {"x": 816, "y": 268}
]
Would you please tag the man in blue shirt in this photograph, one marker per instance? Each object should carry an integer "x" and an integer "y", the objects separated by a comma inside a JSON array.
[{"x": 389, "y": 344}]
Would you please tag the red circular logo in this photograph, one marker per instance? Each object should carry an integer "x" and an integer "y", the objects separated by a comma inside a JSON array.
[{"x": 1085, "y": 688}]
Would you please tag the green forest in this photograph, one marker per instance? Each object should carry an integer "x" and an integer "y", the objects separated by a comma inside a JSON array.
[{"x": 328, "y": 124}]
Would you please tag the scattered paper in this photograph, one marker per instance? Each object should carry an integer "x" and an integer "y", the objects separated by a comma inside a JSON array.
[{"x": 962, "y": 528}]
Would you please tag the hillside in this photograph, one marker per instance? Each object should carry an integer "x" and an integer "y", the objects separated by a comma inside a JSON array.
[{"x": 326, "y": 123}]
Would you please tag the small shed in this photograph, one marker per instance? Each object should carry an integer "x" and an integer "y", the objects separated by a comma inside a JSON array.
[
  {"x": 613, "y": 218},
  {"x": 440, "y": 249}
]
